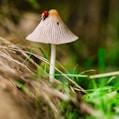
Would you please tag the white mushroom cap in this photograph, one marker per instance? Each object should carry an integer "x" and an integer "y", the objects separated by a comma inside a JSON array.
[{"x": 52, "y": 30}]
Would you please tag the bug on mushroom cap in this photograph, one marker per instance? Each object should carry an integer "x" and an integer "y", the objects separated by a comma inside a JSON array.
[{"x": 44, "y": 15}]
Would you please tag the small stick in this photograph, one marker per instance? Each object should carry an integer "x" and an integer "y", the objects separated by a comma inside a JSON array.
[{"x": 104, "y": 75}]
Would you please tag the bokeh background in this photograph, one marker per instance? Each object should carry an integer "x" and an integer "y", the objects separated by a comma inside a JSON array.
[{"x": 96, "y": 22}]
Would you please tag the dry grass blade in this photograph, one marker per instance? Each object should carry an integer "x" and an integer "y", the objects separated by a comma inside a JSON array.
[
  {"x": 104, "y": 75},
  {"x": 13, "y": 48},
  {"x": 17, "y": 76}
]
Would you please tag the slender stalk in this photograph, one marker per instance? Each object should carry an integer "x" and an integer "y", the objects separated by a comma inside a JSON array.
[
  {"x": 52, "y": 62},
  {"x": 104, "y": 75}
]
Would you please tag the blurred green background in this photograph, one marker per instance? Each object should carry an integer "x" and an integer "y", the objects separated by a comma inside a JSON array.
[{"x": 96, "y": 22}]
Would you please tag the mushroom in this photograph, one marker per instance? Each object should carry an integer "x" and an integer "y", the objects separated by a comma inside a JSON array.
[{"x": 52, "y": 30}]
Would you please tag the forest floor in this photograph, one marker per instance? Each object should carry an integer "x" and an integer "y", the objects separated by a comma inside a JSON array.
[{"x": 25, "y": 90}]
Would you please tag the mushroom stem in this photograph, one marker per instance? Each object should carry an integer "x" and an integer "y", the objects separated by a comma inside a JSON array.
[{"x": 52, "y": 62}]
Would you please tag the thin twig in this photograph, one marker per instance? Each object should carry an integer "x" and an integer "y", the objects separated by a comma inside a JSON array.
[{"x": 104, "y": 75}]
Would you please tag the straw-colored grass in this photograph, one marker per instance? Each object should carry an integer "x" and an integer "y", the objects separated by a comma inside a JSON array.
[
  {"x": 18, "y": 76},
  {"x": 26, "y": 93}
]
